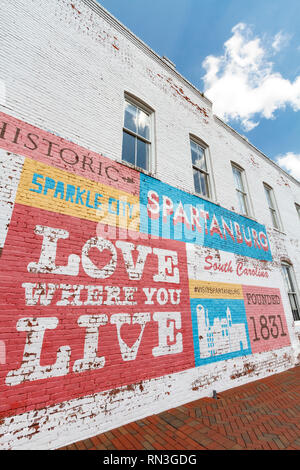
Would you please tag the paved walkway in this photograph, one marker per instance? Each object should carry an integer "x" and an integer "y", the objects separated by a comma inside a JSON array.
[{"x": 261, "y": 415}]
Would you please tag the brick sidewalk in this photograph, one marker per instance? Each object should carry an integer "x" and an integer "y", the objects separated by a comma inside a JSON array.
[{"x": 261, "y": 415}]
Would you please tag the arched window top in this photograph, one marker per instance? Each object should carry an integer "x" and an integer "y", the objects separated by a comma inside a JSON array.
[
  {"x": 285, "y": 260},
  {"x": 237, "y": 165},
  {"x": 199, "y": 141},
  {"x": 138, "y": 102}
]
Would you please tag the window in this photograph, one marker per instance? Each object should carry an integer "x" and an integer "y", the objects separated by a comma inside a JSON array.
[
  {"x": 298, "y": 209},
  {"x": 272, "y": 206},
  {"x": 290, "y": 284},
  {"x": 240, "y": 186},
  {"x": 136, "y": 148},
  {"x": 200, "y": 169}
]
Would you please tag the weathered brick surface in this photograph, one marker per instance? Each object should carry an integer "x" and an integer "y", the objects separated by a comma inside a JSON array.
[{"x": 100, "y": 325}]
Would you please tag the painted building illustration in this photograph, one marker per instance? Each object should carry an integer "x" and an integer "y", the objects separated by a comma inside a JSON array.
[{"x": 221, "y": 336}]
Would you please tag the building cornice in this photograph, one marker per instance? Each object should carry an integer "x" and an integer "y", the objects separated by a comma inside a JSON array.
[
  {"x": 107, "y": 16},
  {"x": 255, "y": 149}
]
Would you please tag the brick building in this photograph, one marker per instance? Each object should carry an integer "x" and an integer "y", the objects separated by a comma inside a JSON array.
[{"x": 149, "y": 253}]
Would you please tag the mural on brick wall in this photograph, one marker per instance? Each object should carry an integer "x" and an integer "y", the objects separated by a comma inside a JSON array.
[
  {"x": 219, "y": 322},
  {"x": 97, "y": 290},
  {"x": 233, "y": 320},
  {"x": 171, "y": 213}
]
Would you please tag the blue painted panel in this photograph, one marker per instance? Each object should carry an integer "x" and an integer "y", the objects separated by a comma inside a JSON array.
[
  {"x": 220, "y": 330},
  {"x": 213, "y": 226}
]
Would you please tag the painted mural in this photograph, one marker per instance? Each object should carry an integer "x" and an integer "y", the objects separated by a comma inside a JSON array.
[
  {"x": 96, "y": 291},
  {"x": 168, "y": 212},
  {"x": 235, "y": 320}
]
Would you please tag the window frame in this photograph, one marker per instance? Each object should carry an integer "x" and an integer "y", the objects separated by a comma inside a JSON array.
[
  {"x": 273, "y": 208},
  {"x": 141, "y": 105},
  {"x": 298, "y": 209},
  {"x": 293, "y": 283},
  {"x": 245, "y": 191},
  {"x": 208, "y": 172}
]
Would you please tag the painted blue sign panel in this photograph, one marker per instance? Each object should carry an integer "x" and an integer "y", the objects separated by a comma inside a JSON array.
[
  {"x": 220, "y": 330},
  {"x": 171, "y": 213}
]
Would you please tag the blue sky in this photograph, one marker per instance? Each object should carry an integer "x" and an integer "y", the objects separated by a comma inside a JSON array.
[{"x": 244, "y": 55}]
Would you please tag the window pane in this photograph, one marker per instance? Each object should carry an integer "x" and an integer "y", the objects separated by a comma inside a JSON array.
[
  {"x": 142, "y": 154},
  {"x": 130, "y": 119},
  {"x": 269, "y": 199},
  {"x": 143, "y": 122},
  {"x": 200, "y": 183},
  {"x": 196, "y": 181},
  {"x": 294, "y": 306},
  {"x": 286, "y": 278},
  {"x": 290, "y": 277},
  {"x": 242, "y": 203},
  {"x": 294, "y": 302},
  {"x": 128, "y": 149},
  {"x": 200, "y": 162},
  {"x": 238, "y": 179},
  {"x": 204, "y": 185},
  {"x": 198, "y": 156},
  {"x": 274, "y": 218},
  {"x": 194, "y": 151}
]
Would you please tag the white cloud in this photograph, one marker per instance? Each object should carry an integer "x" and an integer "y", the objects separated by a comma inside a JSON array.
[
  {"x": 242, "y": 83},
  {"x": 280, "y": 41},
  {"x": 291, "y": 163}
]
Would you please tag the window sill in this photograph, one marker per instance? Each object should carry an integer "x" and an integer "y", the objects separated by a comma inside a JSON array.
[
  {"x": 243, "y": 215},
  {"x": 279, "y": 231},
  {"x": 136, "y": 168},
  {"x": 208, "y": 199}
]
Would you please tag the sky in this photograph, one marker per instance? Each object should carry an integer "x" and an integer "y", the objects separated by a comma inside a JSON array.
[{"x": 243, "y": 54}]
